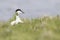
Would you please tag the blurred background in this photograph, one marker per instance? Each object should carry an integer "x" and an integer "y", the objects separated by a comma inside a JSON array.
[
  {"x": 44, "y": 28},
  {"x": 32, "y": 8}
]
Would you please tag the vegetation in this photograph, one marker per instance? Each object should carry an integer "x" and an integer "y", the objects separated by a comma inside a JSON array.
[{"x": 44, "y": 28}]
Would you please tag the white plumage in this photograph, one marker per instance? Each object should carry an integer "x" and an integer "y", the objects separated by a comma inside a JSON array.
[
  {"x": 13, "y": 22},
  {"x": 17, "y": 20}
]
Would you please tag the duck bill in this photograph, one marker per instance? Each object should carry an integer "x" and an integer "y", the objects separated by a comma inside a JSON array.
[{"x": 22, "y": 12}]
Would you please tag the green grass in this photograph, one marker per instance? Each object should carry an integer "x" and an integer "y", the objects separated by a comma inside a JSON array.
[{"x": 34, "y": 29}]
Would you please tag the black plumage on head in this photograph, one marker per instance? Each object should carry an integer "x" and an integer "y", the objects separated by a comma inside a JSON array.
[{"x": 19, "y": 10}]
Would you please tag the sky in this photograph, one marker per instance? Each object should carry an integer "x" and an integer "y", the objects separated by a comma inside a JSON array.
[{"x": 31, "y": 8}]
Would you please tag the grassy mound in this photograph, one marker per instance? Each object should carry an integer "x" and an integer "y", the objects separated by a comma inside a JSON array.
[{"x": 44, "y": 28}]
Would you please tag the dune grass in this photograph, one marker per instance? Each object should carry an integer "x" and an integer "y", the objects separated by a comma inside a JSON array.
[{"x": 45, "y": 28}]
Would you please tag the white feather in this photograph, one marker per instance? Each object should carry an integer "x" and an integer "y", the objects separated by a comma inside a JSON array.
[{"x": 17, "y": 20}]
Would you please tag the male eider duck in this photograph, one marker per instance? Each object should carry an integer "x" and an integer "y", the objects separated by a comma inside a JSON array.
[{"x": 17, "y": 20}]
